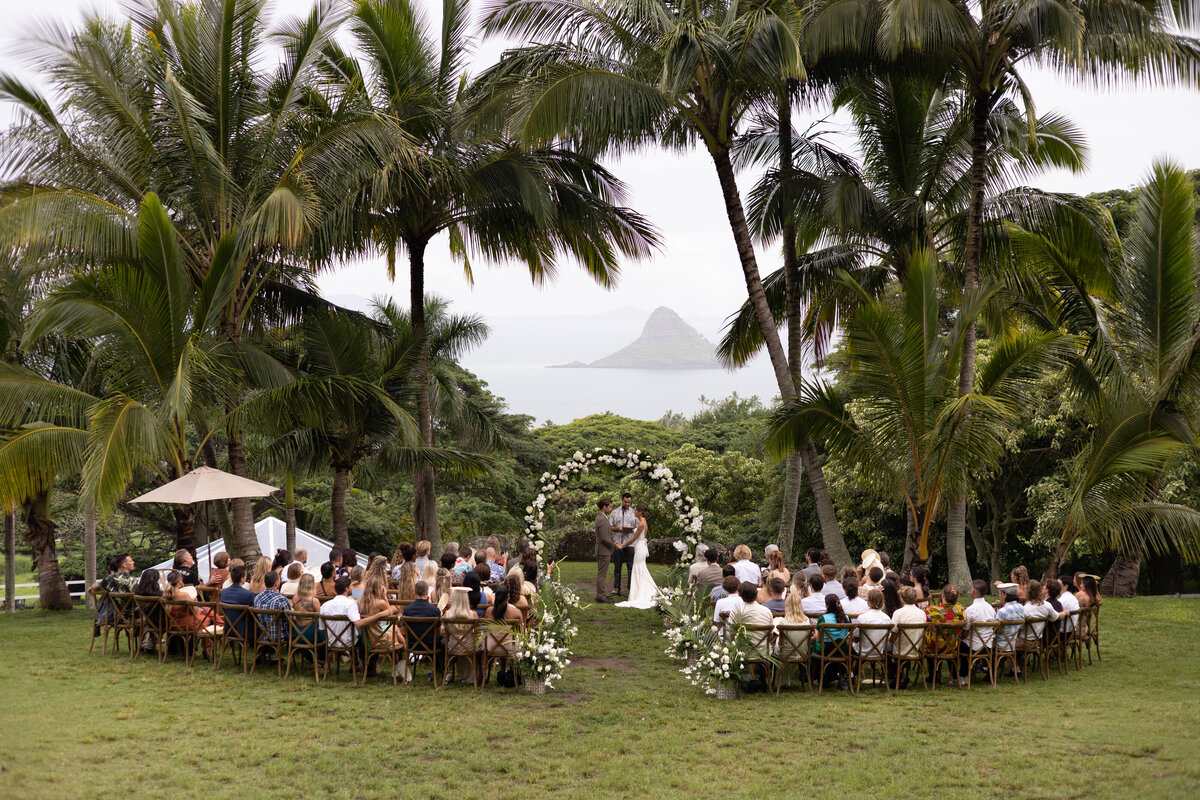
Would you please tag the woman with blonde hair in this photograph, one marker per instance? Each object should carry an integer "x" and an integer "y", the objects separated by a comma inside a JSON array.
[
  {"x": 791, "y": 641},
  {"x": 357, "y": 576},
  {"x": 429, "y": 572},
  {"x": 306, "y": 602},
  {"x": 374, "y": 601},
  {"x": 441, "y": 587},
  {"x": 406, "y": 591},
  {"x": 261, "y": 568},
  {"x": 378, "y": 564},
  {"x": 515, "y": 581},
  {"x": 458, "y": 635}
]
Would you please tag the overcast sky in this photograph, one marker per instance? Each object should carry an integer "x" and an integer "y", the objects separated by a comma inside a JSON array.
[{"x": 697, "y": 272}]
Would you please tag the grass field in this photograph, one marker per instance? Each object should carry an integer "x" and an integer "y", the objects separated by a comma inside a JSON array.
[{"x": 624, "y": 723}]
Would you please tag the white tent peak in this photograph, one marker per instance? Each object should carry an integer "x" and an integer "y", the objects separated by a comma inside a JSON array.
[{"x": 272, "y": 535}]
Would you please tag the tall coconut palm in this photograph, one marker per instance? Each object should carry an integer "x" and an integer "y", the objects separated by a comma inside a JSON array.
[
  {"x": 896, "y": 411},
  {"x": 345, "y": 409},
  {"x": 492, "y": 195},
  {"x": 174, "y": 100},
  {"x": 986, "y": 44},
  {"x": 623, "y": 74},
  {"x": 1143, "y": 319}
]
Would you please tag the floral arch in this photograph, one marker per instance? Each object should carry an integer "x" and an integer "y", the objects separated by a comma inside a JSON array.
[{"x": 688, "y": 517}]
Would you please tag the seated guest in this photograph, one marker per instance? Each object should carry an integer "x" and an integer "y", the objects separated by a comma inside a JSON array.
[
  {"x": 425, "y": 633},
  {"x": 516, "y": 590},
  {"x": 459, "y": 644},
  {"x": 891, "y": 596},
  {"x": 814, "y": 603},
  {"x": 447, "y": 560},
  {"x": 871, "y": 580},
  {"x": 854, "y": 604},
  {"x": 349, "y": 561},
  {"x": 751, "y": 612},
  {"x": 220, "y": 572},
  {"x": 406, "y": 589},
  {"x": 236, "y": 594},
  {"x": 775, "y": 567},
  {"x": 875, "y": 640},
  {"x": 730, "y": 602},
  {"x": 119, "y": 577},
  {"x": 481, "y": 558},
  {"x": 148, "y": 586},
  {"x": 358, "y": 576},
  {"x": 834, "y": 615},
  {"x": 706, "y": 570},
  {"x": 326, "y": 587},
  {"x": 342, "y": 605},
  {"x": 494, "y": 543},
  {"x": 182, "y": 616},
  {"x": 429, "y": 572},
  {"x": 1037, "y": 612},
  {"x": 185, "y": 565},
  {"x": 305, "y": 601},
  {"x": 776, "y": 604},
  {"x": 944, "y": 641},
  {"x": 1019, "y": 576},
  {"x": 1069, "y": 603},
  {"x": 439, "y": 593},
  {"x": 745, "y": 569},
  {"x": 920, "y": 580},
  {"x": 501, "y": 609},
  {"x": 451, "y": 548},
  {"x": 463, "y": 563},
  {"x": 383, "y": 628},
  {"x": 300, "y": 556},
  {"x": 294, "y": 571},
  {"x": 980, "y": 610},
  {"x": 719, "y": 592},
  {"x": 529, "y": 569},
  {"x": 258, "y": 577},
  {"x": 474, "y": 591},
  {"x": 1088, "y": 596},
  {"x": 799, "y": 584},
  {"x": 812, "y": 559},
  {"x": 273, "y": 628},
  {"x": 279, "y": 564},
  {"x": 907, "y": 614},
  {"x": 832, "y": 584},
  {"x": 484, "y": 573},
  {"x": 495, "y": 565},
  {"x": 423, "y": 548},
  {"x": 335, "y": 558},
  {"x": 405, "y": 552},
  {"x": 1011, "y": 611}
]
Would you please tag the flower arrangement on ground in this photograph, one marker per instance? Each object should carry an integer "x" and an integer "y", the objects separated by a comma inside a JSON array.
[
  {"x": 686, "y": 619},
  {"x": 543, "y": 651},
  {"x": 687, "y": 513},
  {"x": 721, "y": 663}
]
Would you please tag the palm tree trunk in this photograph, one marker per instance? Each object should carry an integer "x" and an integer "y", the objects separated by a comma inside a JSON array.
[
  {"x": 185, "y": 527},
  {"x": 289, "y": 510},
  {"x": 224, "y": 525},
  {"x": 39, "y": 535},
  {"x": 791, "y": 274},
  {"x": 956, "y": 506},
  {"x": 242, "y": 542},
  {"x": 89, "y": 551},
  {"x": 911, "y": 540},
  {"x": 754, "y": 287},
  {"x": 1121, "y": 580},
  {"x": 337, "y": 505},
  {"x": 10, "y": 562},
  {"x": 425, "y": 515}
]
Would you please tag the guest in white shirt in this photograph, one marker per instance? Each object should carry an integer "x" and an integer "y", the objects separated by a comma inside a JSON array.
[
  {"x": 745, "y": 569},
  {"x": 854, "y": 604},
  {"x": 1069, "y": 603},
  {"x": 871, "y": 580},
  {"x": 752, "y": 612},
  {"x": 875, "y": 639},
  {"x": 1037, "y": 611},
  {"x": 301, "y": 557},
  {"x": 730, "y": 602},
  {"x": 294, "y": 571},
  {"x": 814, "y": 602},
  {"x": 342, "y": 605},
  {"x": 706, "y": 569},
  {"x": 980, "y": 610},
  {"x": 908, "y": 642},
  {"x": 832, "y": 585}
]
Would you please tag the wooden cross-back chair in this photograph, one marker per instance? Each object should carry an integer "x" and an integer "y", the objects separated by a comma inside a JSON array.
[
  {"x": 239, "y": 632},
  {"x": 462, "y": 639},
  {"x": 380, "y": 645},
  {"x": 793, "y": 644},
  {"x": 910, "y": 651},
  {"x": 270, "y": 636},
  {"x": 980, "y": 638},
  {"x": 834, "y": 651},
  {"x": 941, "y": 649},
  {"x": 872, "y": 643},
  {"x": 339, "y": 642},
  {"x": 304, "y": 636}
]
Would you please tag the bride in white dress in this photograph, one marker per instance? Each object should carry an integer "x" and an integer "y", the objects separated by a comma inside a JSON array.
[{"x": 642, "y": 588}]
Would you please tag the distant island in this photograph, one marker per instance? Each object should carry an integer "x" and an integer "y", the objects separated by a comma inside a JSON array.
[{"x": 667, "y": 342}]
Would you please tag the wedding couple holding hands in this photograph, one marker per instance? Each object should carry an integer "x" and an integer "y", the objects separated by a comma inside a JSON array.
[{"x": 621, "y": 537}]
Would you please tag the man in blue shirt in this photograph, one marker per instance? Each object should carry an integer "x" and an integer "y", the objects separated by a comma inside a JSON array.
[
  {"x": 424, "y": 634},
  {"x": 1011, "y": 611},
  {"x": 495, "y": 566},
  {"x": 236, "y": 594}
]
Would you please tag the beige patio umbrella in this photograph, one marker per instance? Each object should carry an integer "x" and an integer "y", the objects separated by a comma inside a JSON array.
[{"x": 206, "y": 483}]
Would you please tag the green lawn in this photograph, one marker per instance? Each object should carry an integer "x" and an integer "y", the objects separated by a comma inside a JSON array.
[{"x": 80, "y": 725}]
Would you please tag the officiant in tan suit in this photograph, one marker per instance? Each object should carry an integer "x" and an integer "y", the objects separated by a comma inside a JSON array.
[{"x": 604, "y": 549}]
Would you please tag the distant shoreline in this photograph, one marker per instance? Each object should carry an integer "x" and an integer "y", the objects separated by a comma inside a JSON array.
[{"x": 581, "y": 365}]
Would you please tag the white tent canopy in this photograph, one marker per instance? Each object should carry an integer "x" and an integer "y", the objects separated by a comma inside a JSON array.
[{"x": 272, "y": 536}]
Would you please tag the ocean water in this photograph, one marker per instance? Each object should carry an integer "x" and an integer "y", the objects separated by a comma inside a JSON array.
[{"x": 562, "y": 395}]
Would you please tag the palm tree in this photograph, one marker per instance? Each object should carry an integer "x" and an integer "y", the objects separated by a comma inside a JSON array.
[
  {"x": 174, "y": 101},
  {"x": 1143, "y": 322},
  {"x": 494, "y": 197},
  {"x": 896, "y": 412},
  {"x": 626, "y": 74},
  {"x": 345, "y": 409},
  {"x": 986, "y": 44}
]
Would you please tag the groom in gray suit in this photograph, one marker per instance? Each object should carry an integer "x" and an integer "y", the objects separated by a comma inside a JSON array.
[{"x": 604, "y": 549}]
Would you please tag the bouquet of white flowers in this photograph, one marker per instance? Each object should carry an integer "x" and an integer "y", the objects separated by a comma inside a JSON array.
[
  {"x": 539, "y": 657},
  {"x": 721, "y": 662}
]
